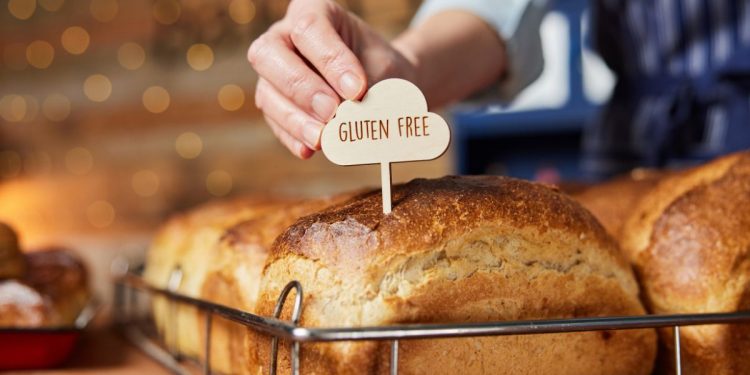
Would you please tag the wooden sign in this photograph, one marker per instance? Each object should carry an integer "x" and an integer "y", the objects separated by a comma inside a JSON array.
[{"x": 391, "y": 124}]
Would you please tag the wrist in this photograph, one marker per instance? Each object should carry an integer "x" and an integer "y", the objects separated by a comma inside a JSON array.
[{"x": 407, "y": 45}]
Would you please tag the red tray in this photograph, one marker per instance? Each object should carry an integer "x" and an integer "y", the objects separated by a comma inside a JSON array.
[
  {"x": 37, "y": 348},
  {"x": 34, "y": 348}
]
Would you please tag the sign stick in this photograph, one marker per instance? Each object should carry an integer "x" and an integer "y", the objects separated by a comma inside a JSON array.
[{"x": 385, "y": 182}]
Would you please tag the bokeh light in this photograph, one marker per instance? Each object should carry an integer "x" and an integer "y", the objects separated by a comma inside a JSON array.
[
  {"x": 219, "y": 183},
  {"x": 13, "y": 108},
  {"x": 188, "y": 145},
  {"x": 79, "y": 161},
  {"x": 56, "y": 107},
  {"x": 22, "y": 9},
  {"x": 51, "y": 5},
  {"x": 100, "y": 214},
  {"x": 75, "y": 40},
  {"x": 97, "y": 87},
  {"x": 242, "y": 11},
  {"x": 200, "y": 56},
  {"x": 131, "y": 56},
  {"x": 32, "y": 108},
  {"x": 231, "y": 97},
  {"x": 14, "y": 56},
  {"x": 145, "y": 183},
  {"x": 156, "y": 99},
  {"x": 104, "y": 10},
  {"x": 40, "y": 54},
  {"x": 10, "y": 164},
  {"x": 167, "y": 12}
]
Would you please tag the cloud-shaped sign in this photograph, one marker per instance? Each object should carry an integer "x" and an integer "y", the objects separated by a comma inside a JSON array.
[{"x": 390, "y": 124}]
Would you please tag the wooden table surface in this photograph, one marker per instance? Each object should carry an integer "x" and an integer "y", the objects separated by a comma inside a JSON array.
[{"x": 103, "y": 351}]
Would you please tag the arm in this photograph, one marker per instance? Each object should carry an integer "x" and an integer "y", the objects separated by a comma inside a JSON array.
[{"x": 469, "y": 53}]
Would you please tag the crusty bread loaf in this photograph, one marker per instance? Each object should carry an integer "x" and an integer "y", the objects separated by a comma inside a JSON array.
[
  {"x": 186, "y": 242},
  {"x": 229, "y": 241},
  {"x": 690, "y": 241},
  {"x": 12, "y": 263},
  {"x": 612, "y": 201},
  {"x": 458, "y": 249},
  {"x": 234, "y": 277}
]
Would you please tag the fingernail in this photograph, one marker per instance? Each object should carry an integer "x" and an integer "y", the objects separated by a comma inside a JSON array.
[
  {"x": 324, "y": 106},
  {"x": 350, "y": 85},
  {"x": 311, "y": 133}
]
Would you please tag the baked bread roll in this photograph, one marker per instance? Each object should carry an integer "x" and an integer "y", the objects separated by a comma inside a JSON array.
[
  {"x": 690, "y": 241},
  {"x": 52, "y": 293},
  {"x": 613, "y": 201},
  {"x": 187, "y": 242},
  {"x": 457, "y": 249},
  {"x": 12, "y": 263}
]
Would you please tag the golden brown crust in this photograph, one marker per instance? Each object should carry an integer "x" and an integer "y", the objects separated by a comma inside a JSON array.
[
  {"x": 234, "y": 277},
  {"x": 691, "y": 243},
  {"x": 186, "y": 242},
  {"x": 613, "y": 201},
  {"x": 458, "y": 249},
  {"x": 52, "y": 293}
]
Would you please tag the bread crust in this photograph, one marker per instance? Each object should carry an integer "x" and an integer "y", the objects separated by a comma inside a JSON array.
[
  {"x": 459, "y": 249},
  {"x": 690, "y": 241}
]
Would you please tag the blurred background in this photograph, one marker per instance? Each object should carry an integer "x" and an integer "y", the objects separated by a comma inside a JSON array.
[{"x": 116, "y": 114}]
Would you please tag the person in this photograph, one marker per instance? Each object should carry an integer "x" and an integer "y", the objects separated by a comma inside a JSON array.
[{"x": 682, "y": 93}]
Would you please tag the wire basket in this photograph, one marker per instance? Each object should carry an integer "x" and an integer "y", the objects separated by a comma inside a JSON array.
[{"x": 129, "y": 284}]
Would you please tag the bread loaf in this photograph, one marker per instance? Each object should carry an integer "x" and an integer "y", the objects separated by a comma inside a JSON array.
[
  {"x": 457, "y": 249},
  {"x": 690, "y": 241},
  {"x": 613, "y": 201},
  {"x": 233, "y": 278},
  {"x": 186, "y": 242},
  {"x": 221, "y": 249}
]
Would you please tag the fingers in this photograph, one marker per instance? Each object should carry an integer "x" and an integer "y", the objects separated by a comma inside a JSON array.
[
  {"x": 296, "y": 147},
  {"x": 315, "y": 36},
  {"x": 277, "y": 63},
  {"x": 288, "y": 116}
]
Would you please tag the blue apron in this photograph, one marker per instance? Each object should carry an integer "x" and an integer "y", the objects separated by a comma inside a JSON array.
[{"x": 683, "y": 83}]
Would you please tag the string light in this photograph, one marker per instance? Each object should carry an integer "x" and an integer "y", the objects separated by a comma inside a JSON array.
[
  {"x": 145, "y": 183},
  {"x": 51, "y": 5},
  {"x": 75, "y": 40},
  {"x": 104, "y": 10},
  {"x": 40, "y": 54},
  {"x": 79, "y": 161},
  {"x": 131, "y": 56},
  {"x": 22, "y": 9},
  {"x": 231, "y": 97},
  {"x": 242, "y": 11},
  {"x": 56, "y": 107},
  {"x": 14, "y": 56},
  {"x": 167, "y": 12},
  {"x": 200, "y": 56},
  {"x": 97, "y": 87},
  {"x": 188, "y": 145},
  {"x": 156, "y": 99},
  {"x": 219, "y": 183},
  {"x": 101, "y": 214},
  {"x": 13, "y": 108}
]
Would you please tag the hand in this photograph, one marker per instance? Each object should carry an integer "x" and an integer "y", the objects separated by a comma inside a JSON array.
[{"x": 307, "y": 62}]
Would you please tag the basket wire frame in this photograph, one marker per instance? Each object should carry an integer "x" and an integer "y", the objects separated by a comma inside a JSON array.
[{"x": 130, "y": 284}]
